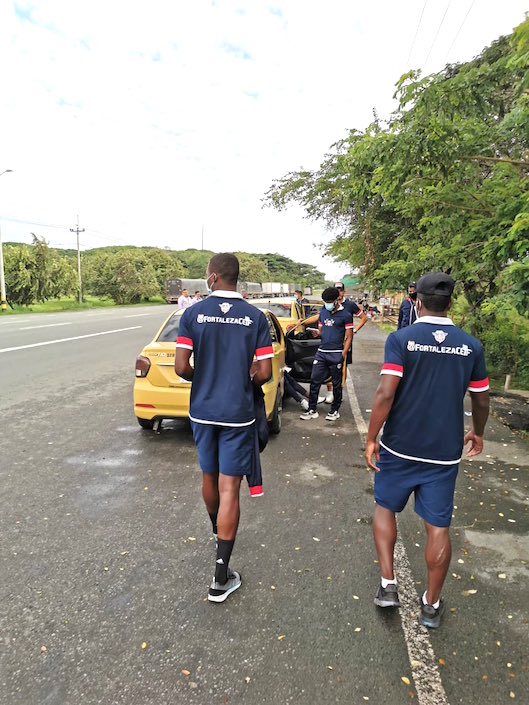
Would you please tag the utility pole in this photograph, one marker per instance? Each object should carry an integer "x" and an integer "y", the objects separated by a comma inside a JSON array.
[
  {"x": 78, "y": 230},
  {"x": 3, "y": 298}
]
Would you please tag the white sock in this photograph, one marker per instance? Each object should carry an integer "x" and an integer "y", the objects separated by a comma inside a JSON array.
[
  {"x": 385, "y": 582},
  {"x": 425, "y": 602}
]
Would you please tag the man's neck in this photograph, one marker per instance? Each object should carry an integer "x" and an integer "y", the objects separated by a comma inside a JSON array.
[
  {"x": 221, "y": 285},
  {"x": 435, "y": 314}
]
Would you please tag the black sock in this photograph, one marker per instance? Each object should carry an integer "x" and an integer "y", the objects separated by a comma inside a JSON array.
[
  {"x": 213, "y": 518},
  {"x": 224, "y": 549}
]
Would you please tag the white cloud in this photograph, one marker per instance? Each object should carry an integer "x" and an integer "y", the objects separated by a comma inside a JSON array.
[{"x": 152, "y": 119}]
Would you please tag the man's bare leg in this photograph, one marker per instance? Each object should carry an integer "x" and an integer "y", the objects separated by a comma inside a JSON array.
[
  {"x": 438, "y": 553},
  {"x": 385, "y": 536}
]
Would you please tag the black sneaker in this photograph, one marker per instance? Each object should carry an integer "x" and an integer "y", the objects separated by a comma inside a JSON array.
[
  {"x": 219, "y": 592},
  {"x": 430, "y": 616},
  {"x": 387, "y": 597}
]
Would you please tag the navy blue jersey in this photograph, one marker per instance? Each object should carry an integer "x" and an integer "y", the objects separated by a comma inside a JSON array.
[
  {"x": 224, "y": 332},
  {"x": 407, "y": 314},
  {"x": 352, "y": 308},
  {"x": 332, "y": 329},
  {"x": 437, "y": 362}
]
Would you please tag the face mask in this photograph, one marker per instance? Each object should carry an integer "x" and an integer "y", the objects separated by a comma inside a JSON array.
[
  {"x": 210, "y": 290},
  {"x": 329, "y": 307}
]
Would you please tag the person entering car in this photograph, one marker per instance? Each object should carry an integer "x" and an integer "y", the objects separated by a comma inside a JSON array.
[{"x": 336, "y": 329}]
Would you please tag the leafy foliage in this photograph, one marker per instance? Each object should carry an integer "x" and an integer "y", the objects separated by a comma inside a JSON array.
[{"x": 443, "y": 184}]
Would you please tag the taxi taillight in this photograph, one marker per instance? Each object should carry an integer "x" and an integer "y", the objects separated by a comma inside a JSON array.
[{"x": 143, "y": 365}]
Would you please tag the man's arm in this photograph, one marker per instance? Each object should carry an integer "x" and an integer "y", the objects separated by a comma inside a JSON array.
[
  {"x": 380, "y": 409},
  {"x": 348, "y": 340},
  {"x": 401, "y": 316},
  {"x": 305, "y": 322},
  {"x": 261, "y": 371},
  {"x": 480, "y": 413},
  {"x": 181, "y": 364},
  {"x": 362, "y": 321}
]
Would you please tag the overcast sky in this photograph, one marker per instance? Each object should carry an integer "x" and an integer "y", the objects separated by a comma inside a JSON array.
[{"x": 153, "y": 119}]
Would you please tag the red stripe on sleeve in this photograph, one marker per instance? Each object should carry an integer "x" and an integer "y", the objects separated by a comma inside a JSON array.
[
  {"x": 391, "y": 366},
  {"x": 348, "y": 325},
  {"x": 359, "y": 313},
  {"x": 478, "y": 385},
  {"x": 262, "y": 353},
  {"x": 184, "y": 342}
]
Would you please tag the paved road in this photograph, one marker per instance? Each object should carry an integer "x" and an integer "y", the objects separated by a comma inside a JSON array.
[{"x": 105, "y": 547}]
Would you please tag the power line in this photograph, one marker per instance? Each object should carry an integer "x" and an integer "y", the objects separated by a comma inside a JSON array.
[
  {"x": 437, "y": 33},
  {"x": 459, "y": 30},
  {"x": 417, "y": 30}
]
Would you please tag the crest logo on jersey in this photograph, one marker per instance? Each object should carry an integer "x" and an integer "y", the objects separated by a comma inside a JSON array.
[
  {"x": 329, "y": 321},
  {"x": 200, "y": 318},
  {"x": 411, "y": 345},
  {"x": 225, "y": 306},
  {"x": 439, "y": 336}
]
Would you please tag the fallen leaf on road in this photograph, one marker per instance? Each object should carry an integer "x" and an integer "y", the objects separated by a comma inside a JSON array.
[
  {"x": 144, "y": 645},
  {"x": 185, "y": 672},
  {"x": 502, "y": 576},
  {"x": 43, "y": 649},
  {"x": 466, "y": 593},
  {"x": 442, "y": 662},
  {"x": 405, "y": 679},
  {"x": 281, "y": 637},
  {"x": 247, "y": 679},
  {"x": 314, "y": 538}
]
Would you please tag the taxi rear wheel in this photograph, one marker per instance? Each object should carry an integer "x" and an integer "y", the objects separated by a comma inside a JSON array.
[
  {"x": 147, "y": 424},
  {"x": 274, "y": 424}
]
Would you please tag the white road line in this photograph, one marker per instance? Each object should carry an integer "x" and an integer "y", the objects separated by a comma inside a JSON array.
[
  {"x": 137, "y": 315},
  {"x": 65, "y": 340},
  {"x": 46, "y": 325},
  {"x": 355, "y": 407},
  {"x": 423, "y": 663}
]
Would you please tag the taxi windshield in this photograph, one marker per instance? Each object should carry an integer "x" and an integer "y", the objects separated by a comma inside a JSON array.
[{"x": 170, "y": 330}]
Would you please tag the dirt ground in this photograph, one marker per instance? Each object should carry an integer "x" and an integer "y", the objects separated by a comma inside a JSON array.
[{"x": 512, "y": 409}]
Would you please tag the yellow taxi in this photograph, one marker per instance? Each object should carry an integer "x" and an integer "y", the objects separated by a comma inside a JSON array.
[
  {"x": 160, "y": 394},
  {"x": 287, "y": 310}
]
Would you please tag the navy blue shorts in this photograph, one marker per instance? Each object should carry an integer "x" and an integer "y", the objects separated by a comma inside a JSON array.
[
  {"x": 433, "y": 486},
  {"x": 225, "y": 449}
]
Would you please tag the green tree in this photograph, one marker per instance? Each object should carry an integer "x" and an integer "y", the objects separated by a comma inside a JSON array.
[
  {"x": 442, "y": 185},
  {"x": 127, "y": 277}
]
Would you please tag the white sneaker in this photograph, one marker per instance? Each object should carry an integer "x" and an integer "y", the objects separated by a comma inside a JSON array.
[
  {"x": 305, "y": 404},
  {"x": 329, "y": 398},
  {"x": 309, "y": 415},
  {"x": 321, "y": 400},
  {"x": 332, "y": 416}
]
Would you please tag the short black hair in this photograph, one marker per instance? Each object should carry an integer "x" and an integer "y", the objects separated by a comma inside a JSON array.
[
  {"x": 435, "y": 302},
  {"x": 298, "y": 291},
  {"x": 226, "y": 266},
  {"x": 330, "y": 294}
]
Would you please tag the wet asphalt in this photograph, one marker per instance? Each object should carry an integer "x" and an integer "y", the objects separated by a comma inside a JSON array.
[{"x": 107, "y": 550}]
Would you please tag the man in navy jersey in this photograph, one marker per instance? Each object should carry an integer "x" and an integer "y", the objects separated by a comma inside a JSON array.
[
  {"x": 428, "y": 368},
  {"x": 355, "y": 310},
  {"x": 407, "y": 310},
  {"x": 336, "y": 329},
  {"x": 224, "y": 333}
]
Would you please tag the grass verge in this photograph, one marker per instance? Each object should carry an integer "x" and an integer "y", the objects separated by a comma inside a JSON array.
[{"x": 71, "y": 304}]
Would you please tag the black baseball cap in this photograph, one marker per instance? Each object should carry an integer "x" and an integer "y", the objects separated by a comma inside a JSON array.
[
  {"x": 412, "y": 284},
  {"x": 436, "y": 283}
]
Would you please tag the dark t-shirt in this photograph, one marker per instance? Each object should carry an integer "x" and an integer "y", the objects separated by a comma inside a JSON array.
[
  {"x": 224, "y": 332},
  {"x": 332, "y": 329},
  {"x": 437, "y": 362}
]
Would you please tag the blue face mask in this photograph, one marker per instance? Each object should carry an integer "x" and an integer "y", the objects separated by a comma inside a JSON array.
[{"x": 329, "y": 307}]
